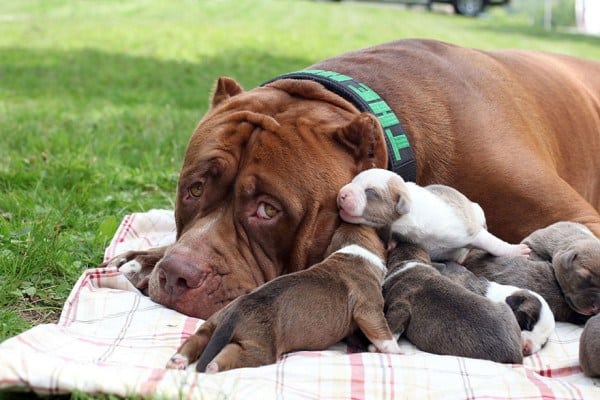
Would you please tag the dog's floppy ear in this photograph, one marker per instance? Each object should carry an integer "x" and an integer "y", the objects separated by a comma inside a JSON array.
[
  {"x": 363, "y": 137},
  {"x": 224, "y": 89}
]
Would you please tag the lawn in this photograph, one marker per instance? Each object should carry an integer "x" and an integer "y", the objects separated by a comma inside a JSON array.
[{"x": 99, "y": 98}]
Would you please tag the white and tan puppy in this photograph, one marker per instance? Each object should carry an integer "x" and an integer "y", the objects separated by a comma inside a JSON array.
[{"x": 437, "y": 217}]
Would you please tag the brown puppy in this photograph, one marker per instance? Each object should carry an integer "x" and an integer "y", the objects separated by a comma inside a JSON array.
[
  {"x": 442, "y": 317},
  {"x": 257, "y": 191},
  {"x": 564, "y": 268},
  {"x": 589, "y": 347},
  {"x": 309, "y": 310}
]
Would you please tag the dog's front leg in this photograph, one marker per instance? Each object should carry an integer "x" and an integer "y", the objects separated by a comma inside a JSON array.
[{"x": 137, "y": 265}]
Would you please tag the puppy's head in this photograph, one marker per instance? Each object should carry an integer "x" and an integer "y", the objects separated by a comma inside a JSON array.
[
  {"x": 375, "y": 197},
  {"x": 534, "y": 317},
  {"x": 577, "y": 270}
]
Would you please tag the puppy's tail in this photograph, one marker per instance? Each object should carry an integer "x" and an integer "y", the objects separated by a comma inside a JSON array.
[{"x": 220, "y": 338}]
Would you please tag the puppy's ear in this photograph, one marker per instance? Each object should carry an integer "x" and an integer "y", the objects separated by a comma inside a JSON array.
[
  {"x": 514, "y": 301},
  {"x": 566, "y": 258},
  {"x": 224, "y": 89},
  {"x": 363, "y": 138},
  {"x": 399, "y": 192}
]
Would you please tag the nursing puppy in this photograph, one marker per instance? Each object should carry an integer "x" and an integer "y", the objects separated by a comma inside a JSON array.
[
  {"x": 439, "y": 316},
  {"x": 308, "y": 310},
  {"x": 589, "y": 347},
  {"x": 575, "y": 255},
  {"x": 437, "y": 217},
  {"x": 564, "y": 268},
  {"x": 532, "y": 312}
]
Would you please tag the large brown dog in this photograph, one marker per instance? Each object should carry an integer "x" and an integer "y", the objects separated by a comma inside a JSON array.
[{"x": 517, "y": 132}]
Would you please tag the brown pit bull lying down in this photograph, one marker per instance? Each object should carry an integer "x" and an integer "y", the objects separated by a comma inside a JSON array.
[
  {"x": 518, "y": 132},
  {"x": 310, "y": 310},
  {"x": 564, "y": 268}
]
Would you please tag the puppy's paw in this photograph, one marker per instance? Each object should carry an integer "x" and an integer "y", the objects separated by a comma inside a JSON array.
[
  {"x": 178, "y": 361},
  {"x": 387, "y": 346},
  {"x": 522, "y": 249},
  {"x": 212, "y": 368},
  {"x": 515, "y": 250}
]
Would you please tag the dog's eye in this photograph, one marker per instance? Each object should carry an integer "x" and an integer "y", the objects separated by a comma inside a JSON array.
[
  {"x": 266, "y": 211},
  {"x": 371, "y": 194},
  {"x": 196, "y": 189}
]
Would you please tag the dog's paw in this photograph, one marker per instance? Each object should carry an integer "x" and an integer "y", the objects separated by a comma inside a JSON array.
[
  {"x": 130, "y": 268},
  {"x": 115, "y": 262},
  {"x": 178, "y": 361}
]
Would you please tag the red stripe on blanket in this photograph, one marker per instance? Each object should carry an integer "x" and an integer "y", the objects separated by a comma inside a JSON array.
[
  {"x": 189, "y": 328},
  {"x": 127, "y": 221},
  {"x": 97, "y": 275},
  {"x": 148, "y": 388},
  {"x": 357, "y": 385},
  {"x": 544, "y": 390}
]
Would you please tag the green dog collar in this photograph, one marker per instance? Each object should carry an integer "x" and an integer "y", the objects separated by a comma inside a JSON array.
[{"x": 401, "y": 158}]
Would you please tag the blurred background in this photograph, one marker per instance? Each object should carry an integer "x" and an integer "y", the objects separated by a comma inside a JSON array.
[{"x": 582, "y": 15}]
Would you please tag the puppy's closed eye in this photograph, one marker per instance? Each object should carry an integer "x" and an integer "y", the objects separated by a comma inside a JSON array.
[{"x": 372, "y": 194}]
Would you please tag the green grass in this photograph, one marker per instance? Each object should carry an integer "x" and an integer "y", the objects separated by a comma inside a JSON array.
[{"x": 98, "y": 99}]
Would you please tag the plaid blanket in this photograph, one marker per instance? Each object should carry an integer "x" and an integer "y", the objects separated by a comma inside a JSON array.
[{"x": 112, "y": 339}]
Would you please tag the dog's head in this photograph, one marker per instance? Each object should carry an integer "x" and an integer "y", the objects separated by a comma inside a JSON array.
[
  {"x": 375, "y": 197},
  {"x": 534, "y": 317},
  {"x": 257, "y": 191},
  {"x": 577, "y": 270}
]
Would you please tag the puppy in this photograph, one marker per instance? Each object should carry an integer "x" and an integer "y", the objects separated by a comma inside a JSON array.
[
  {"x": 442, "y": 317},
  {"x": 575, "y": 255},
  {"x": 307, "y": 310},
  {"x": 564, "y": 268},
  {"x": 438, "y": 217},
  {"x": 532, "y": 312},
  {"x": 589, "y": 347}
]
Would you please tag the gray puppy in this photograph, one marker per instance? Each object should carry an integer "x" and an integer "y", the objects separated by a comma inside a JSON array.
[
  {"x": 589, "y": 347},
  {"x": 442, "y": 317},
  {"x": 532, "y": 312},
  {"x": 563, "y": 267},
  {"x": 575, "y": 255}
]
